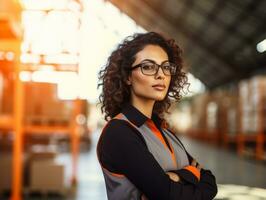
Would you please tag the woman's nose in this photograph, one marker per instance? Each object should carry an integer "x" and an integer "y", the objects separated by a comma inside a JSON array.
[{"x": 160, "y": 73}]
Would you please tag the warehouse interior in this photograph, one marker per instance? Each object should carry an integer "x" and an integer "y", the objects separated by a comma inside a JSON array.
[{"x": 51, "y": 52}]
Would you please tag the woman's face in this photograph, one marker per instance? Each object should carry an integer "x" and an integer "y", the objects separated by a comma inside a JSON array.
[{"x": 143, "y": 86}]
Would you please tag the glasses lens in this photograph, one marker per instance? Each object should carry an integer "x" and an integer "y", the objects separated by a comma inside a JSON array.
[
  {"x": 169, "y": 68},
  {"x": 148, "y": 68}
]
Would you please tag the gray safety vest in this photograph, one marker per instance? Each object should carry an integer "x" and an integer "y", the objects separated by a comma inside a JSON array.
[{"x": 118, "y": 186}]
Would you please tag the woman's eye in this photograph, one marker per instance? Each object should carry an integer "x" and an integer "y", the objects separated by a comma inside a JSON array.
[
  {"x": 147, "y": 66},
  {"x": 167, "y": 67}
]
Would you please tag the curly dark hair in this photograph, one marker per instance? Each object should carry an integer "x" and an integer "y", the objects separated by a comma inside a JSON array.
[{"x": 116, "y": 93}]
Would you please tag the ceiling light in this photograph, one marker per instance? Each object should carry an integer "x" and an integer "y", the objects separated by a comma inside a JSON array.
[{"x": 261, "y": 47}]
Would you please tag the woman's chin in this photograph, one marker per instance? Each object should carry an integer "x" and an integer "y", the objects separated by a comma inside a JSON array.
[{"x": 159, "y": 98}]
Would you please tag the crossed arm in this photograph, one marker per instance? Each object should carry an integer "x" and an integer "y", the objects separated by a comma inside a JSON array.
[
  {"x": 175, "y": 177},
  {"x": 178, "y": 178}
]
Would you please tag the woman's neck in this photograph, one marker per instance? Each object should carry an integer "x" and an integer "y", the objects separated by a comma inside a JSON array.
[{"x": 144, "y": 107}]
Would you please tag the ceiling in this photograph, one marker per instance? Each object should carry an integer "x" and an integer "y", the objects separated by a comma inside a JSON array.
[{"x": 218, "y": 38}]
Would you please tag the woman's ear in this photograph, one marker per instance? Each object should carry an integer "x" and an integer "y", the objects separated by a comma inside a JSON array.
[{"x": 128, "y": 81}]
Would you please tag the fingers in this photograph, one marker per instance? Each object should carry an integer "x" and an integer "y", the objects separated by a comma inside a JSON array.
[
  {"x": 199, "y": 167},
  {"x": 173, "y": 176},
  {"x": 143, "y": 197},
  {"x": 196, "y": 164}
]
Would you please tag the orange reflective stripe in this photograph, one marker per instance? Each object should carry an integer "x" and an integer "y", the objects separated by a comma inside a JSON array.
[
  {"x": 118, "y": 116},
  {"x": 173, "y": 154},
  {"x": 193, "y": 170},
  {"x": 154, "y": 129}
]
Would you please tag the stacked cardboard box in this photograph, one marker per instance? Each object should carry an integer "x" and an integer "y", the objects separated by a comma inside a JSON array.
[
  {"x": 216, "y": 111},
  {"x": 198, "y": 111},
  {"x": 42, "y": 105},
  {"x": 252, "y": 104},
  {"x": 258, "y": 102},
  {"x": 5, "y": 172},
  {"x": 50, "y": 180},
  {"x": 209, "y": 108},
  {"x": 45, "y": 175},
  {"x": 212, "y": 115},
  {"x": 231, "y": 113}
]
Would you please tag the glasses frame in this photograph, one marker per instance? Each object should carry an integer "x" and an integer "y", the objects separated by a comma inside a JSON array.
[{"x": 157, "y": 65}]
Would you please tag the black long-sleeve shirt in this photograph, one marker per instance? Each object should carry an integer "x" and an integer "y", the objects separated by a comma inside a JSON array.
[{"x": 122, "y": 150}]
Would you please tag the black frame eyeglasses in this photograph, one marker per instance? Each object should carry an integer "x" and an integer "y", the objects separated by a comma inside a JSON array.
[{"x": 150, "y": 68}]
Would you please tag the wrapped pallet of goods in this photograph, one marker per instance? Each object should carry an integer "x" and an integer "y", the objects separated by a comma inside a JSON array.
[
  {"x": 252, "y": 114},
  {"x": 230, "y": 117},
  {"x": 211, "y": 121},
  {"x": 258, "y": 102},
  {"x": 198, "y": 115},
  {"x": 244, "y": 106},
  {"x": 211, "y": 116},
  {"x": 42, "y": 105},
  {"x": 43, "y": 159},
  {"x": 215, "y": 115},
  {"x": 232, "y": 121}
]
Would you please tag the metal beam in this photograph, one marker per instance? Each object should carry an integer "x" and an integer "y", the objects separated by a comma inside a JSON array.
[
  {"x": 244, "y": 14},
  {"x": 192, "y": 36}
]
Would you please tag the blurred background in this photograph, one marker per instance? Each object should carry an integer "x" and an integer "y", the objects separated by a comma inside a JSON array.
[{"x": 51, "y": 52}]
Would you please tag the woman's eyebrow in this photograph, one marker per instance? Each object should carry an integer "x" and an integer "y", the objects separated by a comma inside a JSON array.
[
  {"x": 152, "y": 61},
  {"x": 148, "y": 60}
]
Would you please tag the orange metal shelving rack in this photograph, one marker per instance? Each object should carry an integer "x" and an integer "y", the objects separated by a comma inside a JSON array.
[{"x": 14, "y": 122}]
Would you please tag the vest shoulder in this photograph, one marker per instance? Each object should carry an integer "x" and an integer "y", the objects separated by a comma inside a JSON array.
[
  {"x": 117, "y": 126},
  {"x": 117, "y": 123}
]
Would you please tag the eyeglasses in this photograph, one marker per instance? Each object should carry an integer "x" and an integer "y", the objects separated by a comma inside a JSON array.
[{"x": 150, "y": 68}]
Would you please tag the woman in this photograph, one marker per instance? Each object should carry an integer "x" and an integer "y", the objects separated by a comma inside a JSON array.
[{"x": 140, "y": 157}]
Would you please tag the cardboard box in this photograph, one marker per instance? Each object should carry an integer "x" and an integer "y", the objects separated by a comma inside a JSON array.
[
  {"x": 5, "y": 172},
  {"x": 42, "y": 105},
  {"x": 47, "y": 176},
  {"x": 42, "y": 152}
]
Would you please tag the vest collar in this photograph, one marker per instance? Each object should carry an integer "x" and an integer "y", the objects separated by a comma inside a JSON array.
[{"x": 137, "y": 117}]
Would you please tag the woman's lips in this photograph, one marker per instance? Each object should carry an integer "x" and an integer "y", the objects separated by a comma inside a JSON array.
[{"x": 159, "y": 87}]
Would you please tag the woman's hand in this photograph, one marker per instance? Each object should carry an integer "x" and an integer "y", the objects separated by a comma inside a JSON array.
[
  {"x": 196, "y": 164},
  {"x": 143, "y": 197},
  {"x": 173, "y": 176}
]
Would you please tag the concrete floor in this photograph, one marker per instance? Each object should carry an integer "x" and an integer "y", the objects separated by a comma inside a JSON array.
[{"x": 227, "y": 166}]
